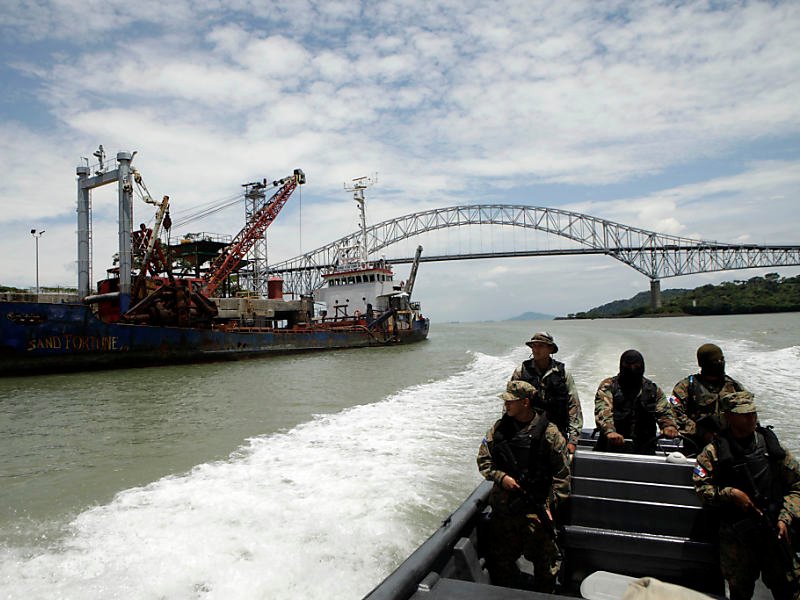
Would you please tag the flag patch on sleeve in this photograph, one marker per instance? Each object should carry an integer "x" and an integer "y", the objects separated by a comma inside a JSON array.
[
  {"x": 674, "y": 400},
  {"x": 700, "y": 471}
]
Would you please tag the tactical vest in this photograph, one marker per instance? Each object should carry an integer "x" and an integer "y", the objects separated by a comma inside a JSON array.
[
  {"x": 635, "y": 417},
  {"x": 553, "y": 392},
  {"x": 702, "y": 401},
  {"x": 524, "y": 455},
  {"x": 754, "y": 470}
]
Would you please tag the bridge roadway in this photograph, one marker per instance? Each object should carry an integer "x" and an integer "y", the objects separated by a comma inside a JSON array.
[{"x": 653, "y": 254}]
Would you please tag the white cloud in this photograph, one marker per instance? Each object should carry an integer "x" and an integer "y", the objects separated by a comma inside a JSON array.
[{"x": 450, "y": 102}]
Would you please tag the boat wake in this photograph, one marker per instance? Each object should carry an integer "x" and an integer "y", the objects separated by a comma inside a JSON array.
[{"x": 324, "y": 510}]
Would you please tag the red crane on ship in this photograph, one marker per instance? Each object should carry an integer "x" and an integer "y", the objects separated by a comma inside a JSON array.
[
  {"x": 177, "y": 302},
  {"x": 231, "y": 256}
]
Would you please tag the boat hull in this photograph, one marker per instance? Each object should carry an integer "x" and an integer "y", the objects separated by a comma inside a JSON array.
[{"x": 40, "y": 338}]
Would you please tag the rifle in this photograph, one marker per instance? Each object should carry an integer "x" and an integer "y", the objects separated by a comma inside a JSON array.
[
  {"x": 525, "y": 503},
  {"x": 762, "y": 533},
  {"x": 537, "y": 508}
]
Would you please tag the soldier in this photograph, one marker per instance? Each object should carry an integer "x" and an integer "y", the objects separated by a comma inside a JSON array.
[
  {"x": 557, "y": 391},
  {"x": 755, "y": 485},
  {"x": 695, "y": 399},
  {"x": 526, "y": 458},
  {"x": 629, "y": 405}
]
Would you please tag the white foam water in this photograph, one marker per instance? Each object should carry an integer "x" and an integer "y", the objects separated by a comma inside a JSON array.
[{"x": 324, "y": 510}]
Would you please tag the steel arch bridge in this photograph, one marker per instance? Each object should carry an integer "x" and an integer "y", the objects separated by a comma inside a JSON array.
[{"x": 653, "y": 254}]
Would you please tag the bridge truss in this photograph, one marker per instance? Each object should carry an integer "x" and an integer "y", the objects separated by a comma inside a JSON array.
[{"x": 653, "y": 254}]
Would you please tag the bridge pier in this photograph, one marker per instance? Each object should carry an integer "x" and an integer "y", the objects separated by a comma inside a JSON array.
[{"x": 655, "y": 294}]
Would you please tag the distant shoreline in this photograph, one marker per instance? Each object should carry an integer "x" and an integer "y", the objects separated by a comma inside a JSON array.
[{"x": 674, "y": 314}]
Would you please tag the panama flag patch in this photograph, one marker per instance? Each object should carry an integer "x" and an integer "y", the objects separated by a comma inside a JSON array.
[
  {"x": 700, "y": 471},
  {"x": 674, "y": 400}
]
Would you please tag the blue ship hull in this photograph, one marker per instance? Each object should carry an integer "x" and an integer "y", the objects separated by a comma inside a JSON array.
[{"x": 40, "y": 338}]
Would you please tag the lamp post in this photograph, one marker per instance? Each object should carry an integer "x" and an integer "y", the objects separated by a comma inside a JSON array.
[{"x": 36, "y": 235}]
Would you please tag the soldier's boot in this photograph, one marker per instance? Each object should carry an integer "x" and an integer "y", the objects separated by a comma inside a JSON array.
[
  {"x": 545, "y": 573},
  {"x": 505, "y": 574},
  {"x": 545, "y": 585},
  {"x": 740, "y": 590}
]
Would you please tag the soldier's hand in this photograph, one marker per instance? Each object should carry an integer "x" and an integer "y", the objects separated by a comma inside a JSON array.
[
  {"x": 783, "y": 533},
  {"x": 670, "y": 432},
  {"x": 571, "y": 448},
  {"x": 615, "y": 439},
  {"x": 509, "y": 483},
  {"x": 537, "y": 520},
  {"x": 742, "y": 500}
]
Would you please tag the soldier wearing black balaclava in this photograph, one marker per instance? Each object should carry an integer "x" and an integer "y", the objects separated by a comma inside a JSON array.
[
  {"x": 696, "y": 398},
  {"x": 630, "y": 406}
]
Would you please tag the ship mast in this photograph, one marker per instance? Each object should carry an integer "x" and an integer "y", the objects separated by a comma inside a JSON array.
[{"x": 359, "y": 185}]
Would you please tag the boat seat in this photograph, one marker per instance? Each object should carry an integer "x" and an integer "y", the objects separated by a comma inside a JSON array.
[
  {"x": 674, "y": 559},
  {"x": 635, "y": 490},
  {"x": 630, "y": 467},
  {"x": 638, "y": 516},
  {"x": 657, "y": 518}
]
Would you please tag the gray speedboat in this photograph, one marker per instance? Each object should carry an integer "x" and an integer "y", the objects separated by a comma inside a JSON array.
[{"x": 629, "y": 516}]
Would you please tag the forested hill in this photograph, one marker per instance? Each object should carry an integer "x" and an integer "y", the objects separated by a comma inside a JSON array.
[{"x": 770, "y": 293}]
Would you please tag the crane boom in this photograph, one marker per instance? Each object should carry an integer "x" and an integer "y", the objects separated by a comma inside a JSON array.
[
  {"x": 412, "y": 277},
  {"x": 230, "y": 257}
]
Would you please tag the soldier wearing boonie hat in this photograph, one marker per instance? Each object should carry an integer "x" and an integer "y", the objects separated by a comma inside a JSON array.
[
  {"x": 750, "y": 478},
  {"x": 543, "y": 337},
  {"x": 526, "y": 457},
  {"x": 740, "y": 403},
  {"x": 557, "y": 391},
  {"x": 696, "y": 399}
]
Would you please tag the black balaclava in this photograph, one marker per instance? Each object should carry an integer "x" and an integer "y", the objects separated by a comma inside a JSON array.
[
  {"x": 631, "y": 370},
  {"x": 711, "y": 360}
]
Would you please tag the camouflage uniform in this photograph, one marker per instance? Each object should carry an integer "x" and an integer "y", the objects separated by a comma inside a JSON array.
[
  {"x": 604, "y": 408},
  {"x": 739, "y": 561},
  {"x": 512, "y": 533},
  {"x": 575, "y": 415},
  {"x": 694, "y": 398}
]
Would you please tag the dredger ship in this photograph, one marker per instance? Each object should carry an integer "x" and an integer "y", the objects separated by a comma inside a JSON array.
[{"x": 202, "y": 298}]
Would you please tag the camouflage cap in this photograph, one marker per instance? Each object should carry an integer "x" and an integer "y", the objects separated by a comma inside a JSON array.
[
  {"x": 517, "y": 390},
  {"x": 740, "y": 403},
  {"x": 543, "y": 337}
]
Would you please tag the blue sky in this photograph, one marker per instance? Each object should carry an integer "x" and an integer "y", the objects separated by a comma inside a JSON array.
[{"x": 676, "y": 117}]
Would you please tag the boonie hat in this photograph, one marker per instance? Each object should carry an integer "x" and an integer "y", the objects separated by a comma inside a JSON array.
[
  {"x": 740, "y": 403},
  {"x": 517, "y": 390},
  {"x": 542, "y": 337}
]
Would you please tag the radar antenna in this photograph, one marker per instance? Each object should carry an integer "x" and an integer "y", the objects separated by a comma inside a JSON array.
[{"x": 357, "y": 187}]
